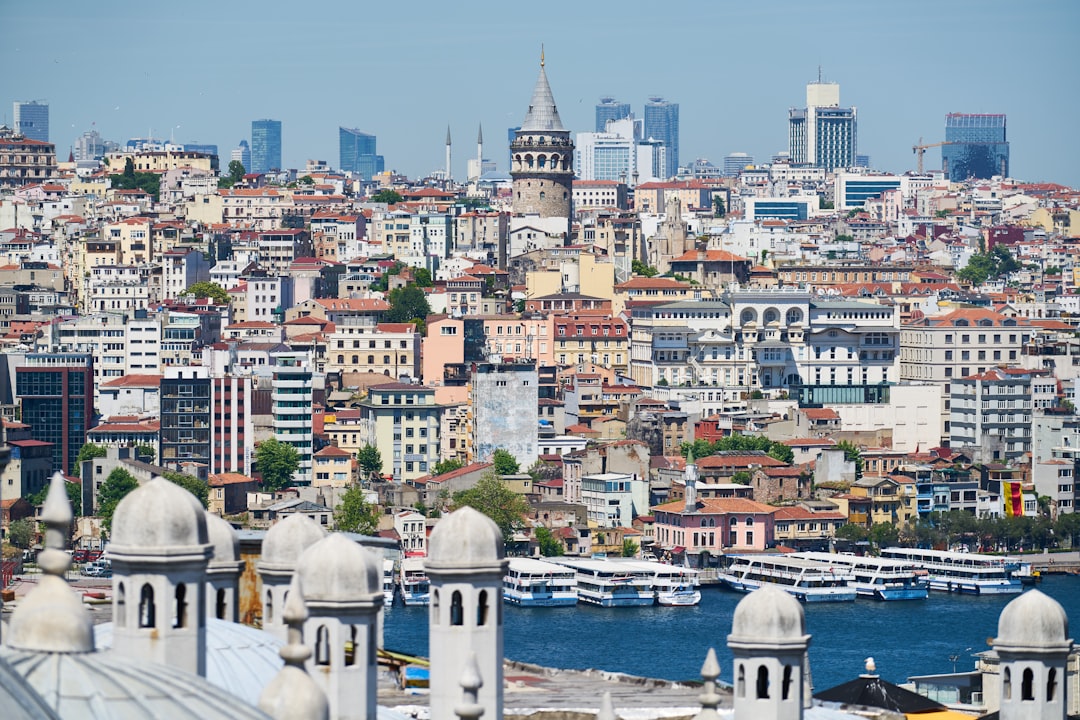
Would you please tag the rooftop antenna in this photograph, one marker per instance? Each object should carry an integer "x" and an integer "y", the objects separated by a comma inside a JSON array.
[
  {"x": 541, "y": 54},
  {"x": 819, "y": 74}
]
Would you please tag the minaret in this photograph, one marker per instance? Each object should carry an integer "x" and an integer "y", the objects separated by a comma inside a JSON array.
[
  {"x": 449, "y": 177},
  {"x": 542, "y": 158},
  {"x": 281, "y": 549},
  {"x": 160, "y": 549},
  {"x": 479, "y": 151},
  {"x": 466, "y": 562},
  {"x": 1033, "y": 644},
  {"x": 690, "y": 477},
  {"x": 768, "y": 640},
  {"x": 223, "y": 572}
]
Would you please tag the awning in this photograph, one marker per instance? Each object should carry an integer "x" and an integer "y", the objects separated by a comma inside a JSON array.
[{"x": 678, "y": 549}]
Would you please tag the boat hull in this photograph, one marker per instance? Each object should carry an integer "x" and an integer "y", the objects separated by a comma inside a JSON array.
[
  {"x": 623, "y": 601},
  {"x": 908, "y": 593},
  {"x": 800, "y": 594},
  {"x": 413, "y": 599},
  {"x": 679, "y": 599},
  {"x": 541, "y": 601},
  {"x": 971, "y": 588}
]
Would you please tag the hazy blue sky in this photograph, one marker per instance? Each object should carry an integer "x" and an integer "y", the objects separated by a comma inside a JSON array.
[{"x": 404, "y": 70}]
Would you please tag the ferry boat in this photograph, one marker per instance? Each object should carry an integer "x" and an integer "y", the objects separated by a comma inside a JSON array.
[
  {"x": 960, "y": 572},
  {"x": 807, "y": 580},
  {"x": 878, "y": 578},
  {"x": 535, "y": 583},
  {"x": 413, "y": 581},
  {"x": 674, "y": 586},
  {"x": 608, "y": 584},
  {"x": 388, "y": 581}
]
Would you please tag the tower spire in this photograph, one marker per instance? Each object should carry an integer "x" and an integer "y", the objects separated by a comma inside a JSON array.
[{"x": 541, "y": 54}]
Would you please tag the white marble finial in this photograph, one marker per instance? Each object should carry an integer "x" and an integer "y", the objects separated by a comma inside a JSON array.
[
  {"x": 607, "y": 708},
  {"x": 293, "y": 694},
  {"x": 56, "y": 514},
  {"x": 709, "y": 698},
  {"x": 470, "y": 707}
]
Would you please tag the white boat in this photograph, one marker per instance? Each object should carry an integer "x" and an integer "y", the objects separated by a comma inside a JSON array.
[
  {"x": 607, "y": 584},
  {"x": 674, "y": 586},
  {"x": 960, "y": 572},
  {"x": 535, "y": 583},
  {"x": 388, "y": 581},
  {"x": 807, "y": 580},
  {"x": 878, "y": 578},
  {"x": 413, "y": 581}
]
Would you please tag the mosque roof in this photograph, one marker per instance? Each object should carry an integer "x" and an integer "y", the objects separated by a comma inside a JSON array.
[
  {"x": 240, "y": 660},
  {"x": 18, "y": 698},
  {"x": 542, "y": 114}
]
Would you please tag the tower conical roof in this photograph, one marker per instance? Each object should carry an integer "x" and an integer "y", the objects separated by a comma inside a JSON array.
[{"x": 542, "y": 114}]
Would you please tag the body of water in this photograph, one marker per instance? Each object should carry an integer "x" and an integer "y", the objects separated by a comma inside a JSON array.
[{"x": 905, "y": 638}]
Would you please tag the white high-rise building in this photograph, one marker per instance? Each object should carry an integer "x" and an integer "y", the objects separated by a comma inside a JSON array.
[
  {"x": 617, "y": 155},
  {"x": 823, "y": 134}
]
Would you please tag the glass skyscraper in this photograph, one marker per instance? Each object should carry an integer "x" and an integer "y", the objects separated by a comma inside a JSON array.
[
  {"x": 357, "y": 153},
  {"x": 662, "y": 123},
  {"x": 610, "y": 109},
  {"x": 32, "y": 120},
  {"x": 265, "y": 146},
  {"x": 56, "y": 391},
  {"x": 976, "y": 146}
]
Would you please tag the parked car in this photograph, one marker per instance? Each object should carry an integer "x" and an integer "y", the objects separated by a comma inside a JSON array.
[{"x": 97, "y": 571}]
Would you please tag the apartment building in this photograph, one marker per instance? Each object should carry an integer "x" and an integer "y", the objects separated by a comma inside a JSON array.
[
  {"x": 991, "y": 411},
  {"x": 403, "y": 421},
  {"x": 391, "y": 349}
]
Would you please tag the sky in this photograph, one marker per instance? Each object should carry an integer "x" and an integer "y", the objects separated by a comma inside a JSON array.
[{"x": 199, "y": 71}]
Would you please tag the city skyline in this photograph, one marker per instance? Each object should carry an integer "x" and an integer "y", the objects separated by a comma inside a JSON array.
[{"x": 901, "y": 95}]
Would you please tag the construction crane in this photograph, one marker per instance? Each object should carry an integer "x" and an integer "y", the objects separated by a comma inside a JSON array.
[{"x": 920, "y": 148}]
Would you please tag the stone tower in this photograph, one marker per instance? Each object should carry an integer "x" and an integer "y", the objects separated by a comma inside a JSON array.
[
  {"x": 768, "y": 639},
  {"x": 282, "y": 546},
  {"x": 1033, "y": 643},
  {"x": 542, "y": 158},
  {"x": 160, "y": 549},
  {"x": 466, "y": 562}
]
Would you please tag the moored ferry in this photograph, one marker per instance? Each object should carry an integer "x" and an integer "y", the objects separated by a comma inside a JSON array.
[
  {"x": 960, "y": 572},
  {"x": 388, "y": 581},
  {"x": 807, "y": 580},
  {"x": 878, "y": 578},
  {"x": 535, "y": 583},
  {"x": 607, "y": 584},
  {"x": 674, "y": 586},
  {"x": 413, "y": 581}
]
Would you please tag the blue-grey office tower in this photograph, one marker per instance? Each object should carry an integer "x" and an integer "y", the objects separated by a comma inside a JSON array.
[
  {"x": 610, "y": 109},
  {"x": 32, "y": 120},
  {"x": 976, "y": 146},
  {"x": 662, "y": 123},
  {"x": 357, "y": 153},
  {"x": 265, "y": 145}
]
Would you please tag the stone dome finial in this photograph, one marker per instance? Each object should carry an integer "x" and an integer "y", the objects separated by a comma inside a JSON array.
[
  {"x": 607, "y": 708},
  {"x": 337, "y": 569},
  {"x": 768, "y": 616},
  {"x": 466, "y": 538},
  {"x": 287, "y": 540},
  {"x": 293, "y": 694},
  {"x": 709, "y": 698},
  {"x": 52, "y": 618},
  {"x": 156, "y": 516},
  {"x": 1033, "y": 622},
  {"x": 470, "y": 708}
]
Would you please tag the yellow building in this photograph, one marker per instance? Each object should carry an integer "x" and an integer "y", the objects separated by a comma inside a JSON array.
[
  {"x": 892, "y": 500},
  {"x": 162, "y": 160},
  {"x": 333, "y": 467},
  {"x": 403, "y": 421},
  {"x": 132, "y": 238}
]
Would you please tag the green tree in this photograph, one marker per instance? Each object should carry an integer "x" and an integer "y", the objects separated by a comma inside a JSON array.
[
  {"x": 644, "y": 270},
  {"x": 192, "y": 484},
  {"x": 884, "y": 534},
  {"x": 386, "y": 195},
  {"x": 444, "y": 466},
  {"x": 742, "y": 477},
  {"x": 277, "y": 463},
  {"x": 370, "y": 460},
  {"x": 129, "y": 168},
  {"x": 21, "y": 533},
  {"x": 629, "y": 548},
  {"x": 145, "y": 450},
  {"x": 492, "y": 497},
  {"x": 210, "y": 290},
  {"x": 542, "y": 471},
  {"x": 115, "y": 488},
  {"x": 1068, "y": 528},
  {"x": 505, "y": 463},
  {"x": 852, "y": 532},
  {"x": 408, "y": 304},
  {"x": 824, "y": 204},
  {"x": 719, "y": 209},
  {"x": 74, "y": 493},
  {"x": 701, "y": 447},
  {"x": 356, "y": 514},
  {"x": 305, "y": 180},
  {"x": 422, "y": 277},
  {"x": 549, "y": 544},
  {"x": 235, "y": 174}
]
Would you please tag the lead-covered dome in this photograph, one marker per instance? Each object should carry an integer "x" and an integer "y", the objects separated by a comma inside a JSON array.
[
  {"x": 158, "y": 515},
  {"x": 285, "y": 541},
  {"x": 1033, "y": 621},
  {"x": 465, "y": 538},
  {"x": 769, "y": 616},
  {"x": 337, "y": 569},
  {"x": 224, "y": 539}
]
